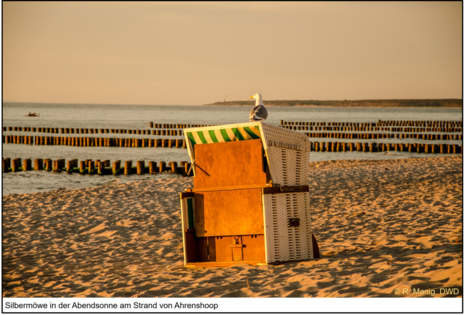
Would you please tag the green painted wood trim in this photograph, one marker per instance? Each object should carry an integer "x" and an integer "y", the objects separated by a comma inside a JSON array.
[{"x": 190, "y": 213}]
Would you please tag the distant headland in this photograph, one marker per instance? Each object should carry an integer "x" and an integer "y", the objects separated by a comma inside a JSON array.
[{"x": 452, "y": 102}]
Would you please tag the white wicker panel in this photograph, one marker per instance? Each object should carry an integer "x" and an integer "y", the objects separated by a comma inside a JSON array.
[
  {"x": 285, "y": 243},
  {"x": 290, "y": 161},
  {"x": 292, "y": 233},
  {"x": 302, "y": 158},
  {"x": 305, "y": 227},
  {"x": 276, "y": 165},
  {"x": 288, "y": 167},
  {"x": 269, "y": 211},
  {"x": 280, "y": 134}
]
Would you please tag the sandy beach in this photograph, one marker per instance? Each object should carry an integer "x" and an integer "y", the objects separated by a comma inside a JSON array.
[{"x": 382, "y": 226}]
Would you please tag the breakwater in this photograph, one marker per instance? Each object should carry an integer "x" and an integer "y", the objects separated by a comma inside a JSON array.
[{"x": 95, "y": 167}]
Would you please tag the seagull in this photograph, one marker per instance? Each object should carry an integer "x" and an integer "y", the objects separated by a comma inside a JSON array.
[{"x": 258, "y": 113}]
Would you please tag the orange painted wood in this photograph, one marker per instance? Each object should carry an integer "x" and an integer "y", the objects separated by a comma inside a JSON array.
[
  {"x": 223, "y": 263},
  {"x": 234, "y": 212},
  {"x": 228, "y": 188},
  {"x": 228, "y": 164},
  {"x": 211, "y": 248},
  {"x": 225, "y": 249},
  {"x": 222, "y": 249},
  {"x": 254, "y": 247},
  {"x": 236, "y": 250}
]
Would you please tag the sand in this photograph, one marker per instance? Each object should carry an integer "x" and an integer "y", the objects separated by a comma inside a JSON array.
[{"x": 382, "y": 226}]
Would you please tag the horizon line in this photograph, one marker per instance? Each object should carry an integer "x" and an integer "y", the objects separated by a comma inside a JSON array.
[{"x": 246, "y": 100}]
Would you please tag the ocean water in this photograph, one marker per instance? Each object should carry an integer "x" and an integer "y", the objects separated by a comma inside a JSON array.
[{"x": 139, "y": 117}]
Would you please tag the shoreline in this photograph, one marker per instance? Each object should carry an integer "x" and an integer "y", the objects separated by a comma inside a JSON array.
[
  {"x": 368, "y": 103},
  {"x": 327, "y": 106},
  {"x": 380, "y": 225}
]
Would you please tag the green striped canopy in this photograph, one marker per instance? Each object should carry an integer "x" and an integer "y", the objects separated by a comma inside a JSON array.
[{"x": 224, "y": 135}]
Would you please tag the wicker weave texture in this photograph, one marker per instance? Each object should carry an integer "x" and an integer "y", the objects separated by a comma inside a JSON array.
[
  {"x": 288, "y": 167},
  {"x": 283, "y": 242},
  {"x": 279, "y": 134}
]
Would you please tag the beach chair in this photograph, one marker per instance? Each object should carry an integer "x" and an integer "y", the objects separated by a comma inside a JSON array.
[{"x": 250, "y": 200}]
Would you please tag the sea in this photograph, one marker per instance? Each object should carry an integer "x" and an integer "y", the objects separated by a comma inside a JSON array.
[{"x": 138, "y": 117}]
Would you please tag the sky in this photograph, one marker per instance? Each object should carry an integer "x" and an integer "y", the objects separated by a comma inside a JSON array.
[{"x": 192, "y": 53}]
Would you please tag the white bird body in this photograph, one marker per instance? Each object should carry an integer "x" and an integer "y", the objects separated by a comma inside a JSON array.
[{"x": 258, "y": 112}]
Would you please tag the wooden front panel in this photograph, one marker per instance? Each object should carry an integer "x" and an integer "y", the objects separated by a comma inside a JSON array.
[
  {"x": 233, "y": 212},
  {"x": 254, "y": 247},
  {"x": 229, "y": 164},
  {"x": 233, "y": 248},
  {"x": 222, "y": 249},
  {"x": 237, "y": 248},
  {"x": 211, "y": 241}
]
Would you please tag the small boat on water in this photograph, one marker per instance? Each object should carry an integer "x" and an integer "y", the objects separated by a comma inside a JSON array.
[{"x": 32, "y": 115}]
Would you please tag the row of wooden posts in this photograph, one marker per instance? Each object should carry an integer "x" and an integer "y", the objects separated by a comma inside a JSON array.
[
  {"x": 388, "y": 129},
  {"x": 181, "y": 143},
  {"x": 380, "y": 123},
  {"x": 437, "y": 124},
  {"x": 380, "y": 147},
  {"x": 174, "y": 132},
  {"x": 430, "y": 125},
  {"x": 96, "y": 131},
  {"x": 94, "y": 142},
  {"x": 423, "y": 136},
  {"x": 179, "y": 126},
  {"x": 316, "y": 146},
  {"x": 415, "y": 126},
  {"x": 103, "y": 167},
  {"x": 425, "y": 123},
  {"x": 100, "y": 167}
]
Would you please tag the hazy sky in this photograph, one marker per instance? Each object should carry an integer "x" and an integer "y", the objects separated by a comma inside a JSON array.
[{"x": 196, "y": 52}]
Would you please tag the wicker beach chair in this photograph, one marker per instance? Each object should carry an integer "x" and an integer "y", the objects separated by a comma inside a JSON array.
[{"x": 250, "y": 200}]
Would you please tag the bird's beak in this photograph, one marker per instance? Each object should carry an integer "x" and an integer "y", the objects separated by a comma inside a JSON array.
[{"x": 251, "y": 96}]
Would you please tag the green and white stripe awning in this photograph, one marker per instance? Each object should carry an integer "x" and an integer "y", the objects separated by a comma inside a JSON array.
[
  {"x": 221, "y": 133},
  {"x": 224, "y": 134}
]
